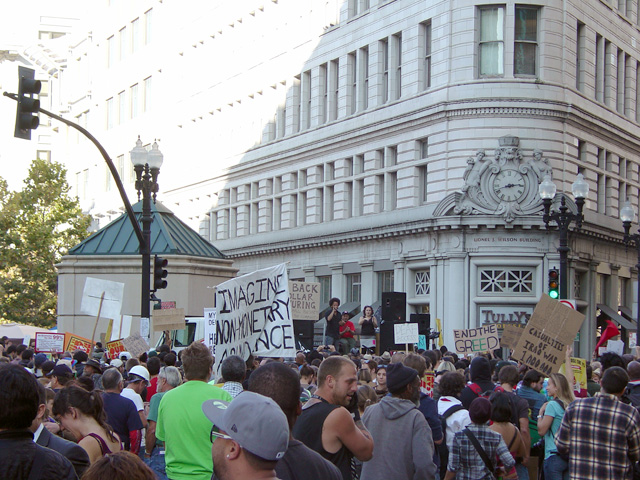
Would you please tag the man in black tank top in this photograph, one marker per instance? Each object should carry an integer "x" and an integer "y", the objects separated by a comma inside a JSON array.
[{"x": 326, "y": 426}]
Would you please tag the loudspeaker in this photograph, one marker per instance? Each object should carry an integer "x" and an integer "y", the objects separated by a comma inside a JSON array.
[
  {"x": 423, "y": 320},
  {"x": 303, "y": 332},
  {"x": 394, "y": 306}
]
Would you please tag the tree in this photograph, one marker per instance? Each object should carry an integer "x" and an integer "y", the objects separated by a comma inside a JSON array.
[{"x": 38, "y": 225}]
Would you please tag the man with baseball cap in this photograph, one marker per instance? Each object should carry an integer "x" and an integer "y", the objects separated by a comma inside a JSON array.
[
  {"x": 246, "y": 446},
  {"x": 401, "y": 434},
  {"x": 60, "y": 376}
]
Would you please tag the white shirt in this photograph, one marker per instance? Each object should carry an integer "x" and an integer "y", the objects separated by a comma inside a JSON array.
[
  {"x": 36, "y": 434},
  {"x": 456, "y": 421},
  {"x": 134, "y": 397}
]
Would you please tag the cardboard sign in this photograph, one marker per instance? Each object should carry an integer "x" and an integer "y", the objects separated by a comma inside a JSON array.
[
  {"x": 305, "y": 300},
  {"x": 115, "y": 348},
  {"x": 168, "y": 319},
  {"x": 551, "y": 327},
  {"x": 135, "y": 345},
  {"x": 210, "y": 329},
  {"x": 511, "y": 333},
  {"x": 254, "y": 316},
  {"x": 93, "y": 301},
  {"x": 479, "y": 339},
  {"x": 49, "y": 342},
  {"x": 404, "y": 333},
  {"x": 579, "y": 368},
  {"x": 74, "y": 342},
  {"x": 121, "y": 327}
]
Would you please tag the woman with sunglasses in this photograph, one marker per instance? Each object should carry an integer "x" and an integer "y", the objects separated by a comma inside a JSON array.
[{"x": 82, "y": 413}]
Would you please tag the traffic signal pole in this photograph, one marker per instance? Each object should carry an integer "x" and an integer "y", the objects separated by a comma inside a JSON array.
[{"x": 142, "y": 241}]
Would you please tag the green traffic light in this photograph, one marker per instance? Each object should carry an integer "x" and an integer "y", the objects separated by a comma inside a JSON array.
[{"x": 554, "y": 294}]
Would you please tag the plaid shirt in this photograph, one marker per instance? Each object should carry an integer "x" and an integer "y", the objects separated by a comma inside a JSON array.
[
  {"x": 602, "y": 436},
  {"x": 465, "y": 459}
]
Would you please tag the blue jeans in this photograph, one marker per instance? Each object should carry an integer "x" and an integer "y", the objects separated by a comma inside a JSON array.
[
  {"x": 156, "y": 463},
  {"x": 555, "y": 468},
  {"x": 329, "y": 340},
  {"x": 522, "y": 471}
]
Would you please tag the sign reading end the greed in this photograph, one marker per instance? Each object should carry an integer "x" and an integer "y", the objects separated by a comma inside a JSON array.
[{"x": 475, "y": 340}]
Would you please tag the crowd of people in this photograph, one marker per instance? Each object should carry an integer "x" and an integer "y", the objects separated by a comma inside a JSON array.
[{"x": 325, "y": 414}]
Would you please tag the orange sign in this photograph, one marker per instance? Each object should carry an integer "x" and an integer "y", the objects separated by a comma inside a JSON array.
[
  {"x": 74, "y": 342},
  {"x": 115, "y": 348},
  {"x": 426, "y": 383}
]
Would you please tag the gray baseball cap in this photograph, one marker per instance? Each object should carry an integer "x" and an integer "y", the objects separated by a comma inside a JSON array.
[{"x": 254, "y": 421}]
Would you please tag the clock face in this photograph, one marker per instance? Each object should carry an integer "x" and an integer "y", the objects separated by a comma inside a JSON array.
[{"x": 508, "y": 185}]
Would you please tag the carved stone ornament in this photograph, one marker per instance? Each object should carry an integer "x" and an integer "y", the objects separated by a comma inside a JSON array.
[{"x": 505, "y": 185}]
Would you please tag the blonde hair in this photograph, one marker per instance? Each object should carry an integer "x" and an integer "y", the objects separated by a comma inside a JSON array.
[
  {"x": 446, "y": 366},
  {"x": 564, "y": 391}
]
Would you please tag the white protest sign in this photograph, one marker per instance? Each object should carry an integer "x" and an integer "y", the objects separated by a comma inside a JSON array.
[
  {"x": 404, "y": 333},
  {"x": 144, "y": 327},
  {"x": 49, "y": 342},
  {"x": 476, "y": 339},
  {"x": 210, "y": 329},
  {"x": 305, "y": 300},
  {"x": 615, "y": 346},
  {"x": 254, "y": 316},
  {"x": 94, "y": 288}
]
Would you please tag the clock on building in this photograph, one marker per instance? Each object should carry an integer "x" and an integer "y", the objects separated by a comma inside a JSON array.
[{"x": 509, "y": 185}]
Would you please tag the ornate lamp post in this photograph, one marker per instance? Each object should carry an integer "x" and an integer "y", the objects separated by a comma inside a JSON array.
[
  {"x": 147, "y": 167},
  {"x": 563, "y": 219},
  {"x": 627, "y": 215}
]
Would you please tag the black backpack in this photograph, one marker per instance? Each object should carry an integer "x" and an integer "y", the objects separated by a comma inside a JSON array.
[{"x": 443, "y": 450}]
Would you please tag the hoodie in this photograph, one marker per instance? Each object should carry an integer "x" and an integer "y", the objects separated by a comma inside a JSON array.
[
  {"x": 403, "y": 446},
  {"x": 480, "y": 373}
]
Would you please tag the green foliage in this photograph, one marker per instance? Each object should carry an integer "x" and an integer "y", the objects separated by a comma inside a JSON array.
[{"x": 38, "y": 225}]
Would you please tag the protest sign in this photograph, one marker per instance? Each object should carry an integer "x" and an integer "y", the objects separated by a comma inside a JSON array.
[
  {"x": 135, "y": 345},
  {"x": 93, "y": 301},
  {"x": 74, "y": 342},
  {"x": 478, "y": 339},
  {"x": 579, "y": 368},
  {"x": 305, "y": 300},
  {"x": 115, "y": 348},
  {"x": 210, "y": 329},
  {"x": 404, "y": 333},
  {"x": 427, "y": 383},
  {"x": 615, "y": 346},
  {"x": 422, "y": 342},
  {"x": 511, "y": 333},
  {"x": 168, "y": 319},
  {"x": 144, "y": 327},
  {"x": 121, "y": 327},
  {"x": 49, "y": 342},
  {"x": 551, "y": 327},
  {"x": 254, "y": 316}
]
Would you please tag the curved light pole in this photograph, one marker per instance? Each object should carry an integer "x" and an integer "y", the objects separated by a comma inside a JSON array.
[
  {"x": 627, "y": 215},
  {"x": 563, "y": 219},
  {"x": 147, "y": 165}
]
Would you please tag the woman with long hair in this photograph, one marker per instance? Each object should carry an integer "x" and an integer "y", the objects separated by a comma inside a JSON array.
[
  {"x": 368, "y": 325},
  {"x": 82, "y": 413},
  {"x": 549, "y": 420}
]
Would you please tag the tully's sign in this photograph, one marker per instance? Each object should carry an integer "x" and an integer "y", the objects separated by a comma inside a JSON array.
[{"x": 504, "y": 315}]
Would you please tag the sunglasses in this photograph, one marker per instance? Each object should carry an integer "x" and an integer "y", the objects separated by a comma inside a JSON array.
[{"x": 215, "y": 432}]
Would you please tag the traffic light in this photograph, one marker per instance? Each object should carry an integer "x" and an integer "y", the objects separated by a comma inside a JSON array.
[
  {"x": 26, "y": 113},
  {"x": 159, "y": 272},
  {"x": 554, "y": 283}
]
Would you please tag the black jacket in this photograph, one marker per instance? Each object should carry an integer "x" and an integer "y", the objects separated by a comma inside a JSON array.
[
  {"x": 19, "y": 455},
  {"x": 77, "y": 455}
]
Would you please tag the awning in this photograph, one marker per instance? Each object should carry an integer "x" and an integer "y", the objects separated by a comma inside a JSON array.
[{"x": 615, "y": 316}]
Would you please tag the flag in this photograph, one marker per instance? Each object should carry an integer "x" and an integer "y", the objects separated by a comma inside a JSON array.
[{"x": 609, "y": 332}]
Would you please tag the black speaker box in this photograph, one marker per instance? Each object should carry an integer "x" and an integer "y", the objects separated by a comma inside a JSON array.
[
  {"x": 394, "y": 306},
  {"x": 303, "y": 332},
  {"x": 423, "y": 320}
]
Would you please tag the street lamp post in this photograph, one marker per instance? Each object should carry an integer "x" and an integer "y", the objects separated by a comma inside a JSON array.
[
  {"x": 147, "y": 167},
  {"x": 627, "y": 215},
  {"x": 563, "y": 219}
]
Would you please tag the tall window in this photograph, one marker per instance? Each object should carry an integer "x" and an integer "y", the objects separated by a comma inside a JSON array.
[
  {"x": 111, "y": 51},
  {"x": 120, "y": 167},
  {"x": 134, "y": 100},
  {"x": 353, "y": 81},
  {"x": 384, "y": 51},
  {"x": 122, "y": 108},
  {"x": 385, "y": 282},
  {"x": 148, "y": 19},
  {"x": 146, "y": 99},
  {"x": 492, "y": 41},
  {"x": 110, "y": 113},
  {"x": 306, "y": 98},
  {"x": 526, "y": 41},
  {"x": 580, "y": 55},
  {"x": 364, "y": 78},
  {"x": 335, "y": 88},
  {"x": 135, "y": 35},
  {"x": 324, "y": 91},
  {"x": 398, "y": 65},
  {"x": 325, "y": 289},
  {"x": 426, "y": 38},
  {"x": 354, "y": 287},
  {"x": 123, "y": 42}
]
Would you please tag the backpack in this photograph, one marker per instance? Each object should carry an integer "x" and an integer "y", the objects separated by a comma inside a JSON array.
[
  {"x": 443, "y": 450},
  {"x": 475, "y": 388},
  {"x": 632, "y": 392}
]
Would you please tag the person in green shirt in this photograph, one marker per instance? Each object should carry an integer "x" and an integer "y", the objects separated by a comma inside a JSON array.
[{"x": 181, "y": 423}]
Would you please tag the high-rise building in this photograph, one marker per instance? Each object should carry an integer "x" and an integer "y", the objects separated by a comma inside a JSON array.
[{"x": 378, "y": 145}]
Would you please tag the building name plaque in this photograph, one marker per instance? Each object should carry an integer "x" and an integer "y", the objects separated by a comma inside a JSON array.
[{"x": 506, "y": 240}]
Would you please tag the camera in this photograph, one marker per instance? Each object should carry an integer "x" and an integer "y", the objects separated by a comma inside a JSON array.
[{"x": 433, "y": 335}]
